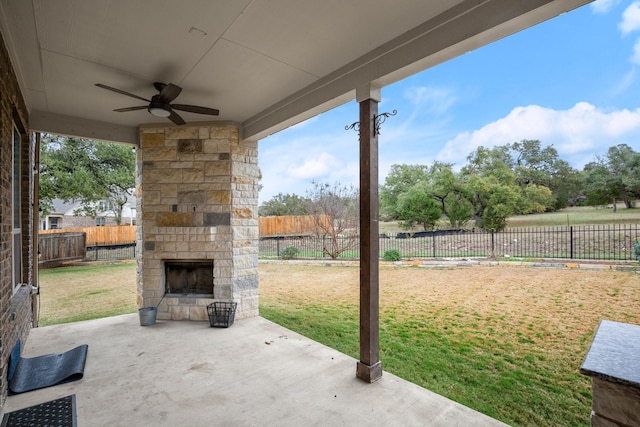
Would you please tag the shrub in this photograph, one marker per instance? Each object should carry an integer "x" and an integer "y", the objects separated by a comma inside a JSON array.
[
  {"x": 290, "y": 252},
  {"x": 392, "y": 255},
  {"x": 636, "y": 250}
]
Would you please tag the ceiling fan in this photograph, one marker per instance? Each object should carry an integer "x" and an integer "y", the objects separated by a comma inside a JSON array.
[{"x": 160, "y": 105}]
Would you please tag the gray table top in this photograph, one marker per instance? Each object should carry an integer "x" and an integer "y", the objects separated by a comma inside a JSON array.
[{"x": 615, "y": 354}]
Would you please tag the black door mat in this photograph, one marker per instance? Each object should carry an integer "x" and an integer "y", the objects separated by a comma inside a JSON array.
[
  {"x": 27, "y": 374},
  {"x": 55, "y": 413}
]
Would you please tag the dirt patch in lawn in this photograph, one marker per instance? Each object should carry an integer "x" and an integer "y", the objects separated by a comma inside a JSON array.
[{"x": 555, "y": 308}]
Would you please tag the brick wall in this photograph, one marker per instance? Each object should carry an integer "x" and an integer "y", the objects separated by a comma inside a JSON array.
[{"x": 15, "y": 309}]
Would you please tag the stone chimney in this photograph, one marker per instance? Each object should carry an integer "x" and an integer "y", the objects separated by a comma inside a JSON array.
[{"x": 197, "y": 195}]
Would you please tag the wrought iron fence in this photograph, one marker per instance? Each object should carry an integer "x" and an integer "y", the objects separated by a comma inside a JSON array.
[
  {"x": 592, "y": 242},
  {"x": 111, "y": 252}
]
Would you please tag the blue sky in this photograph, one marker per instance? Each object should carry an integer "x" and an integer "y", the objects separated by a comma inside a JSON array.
[{"x": 572, "y": 82}]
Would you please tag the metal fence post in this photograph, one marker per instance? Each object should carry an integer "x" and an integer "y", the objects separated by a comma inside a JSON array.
[
  {"x": 434, "y": 243},
  {"x": 493, "y": 243},
  {"x": 324, "y": 245},
  {"x": 571, "y": 241}
]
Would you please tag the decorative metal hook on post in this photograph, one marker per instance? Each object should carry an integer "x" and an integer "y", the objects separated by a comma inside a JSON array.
[
  {"x": 380, "y": 119},
  {"x": 355, "y": 126}
]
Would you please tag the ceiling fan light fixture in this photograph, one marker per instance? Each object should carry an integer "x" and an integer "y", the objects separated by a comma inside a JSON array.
[
  {"x": 160, "y": 105},
  {"x": 159, "y": 109}
]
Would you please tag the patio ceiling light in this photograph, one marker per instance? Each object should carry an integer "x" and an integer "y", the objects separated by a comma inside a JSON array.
[
  {"x": 159, "y": 109},
  {"x": 160, "y": 104}
]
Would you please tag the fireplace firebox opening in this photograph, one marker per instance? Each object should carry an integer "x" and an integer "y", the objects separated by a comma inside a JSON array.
[{"x": 189, "y": 277}]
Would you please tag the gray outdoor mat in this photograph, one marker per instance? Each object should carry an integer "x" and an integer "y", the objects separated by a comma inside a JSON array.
[
  {"x": 55, "y": 413},
  {"x": 46, "y": 371}
]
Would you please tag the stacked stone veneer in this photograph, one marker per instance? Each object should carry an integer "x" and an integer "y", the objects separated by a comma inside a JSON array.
[{"x": 197, "y": 200}]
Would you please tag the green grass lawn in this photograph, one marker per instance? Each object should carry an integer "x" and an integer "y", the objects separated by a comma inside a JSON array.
[
  {"x": 578, "y": 216},
  {"x": 506, "y": 341},
  {"x": 72, "y": 294},
  {"x": 499, "y": 380}
]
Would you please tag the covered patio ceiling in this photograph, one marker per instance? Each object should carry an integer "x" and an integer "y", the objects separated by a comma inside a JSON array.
[{"x": 265, "y": 64}]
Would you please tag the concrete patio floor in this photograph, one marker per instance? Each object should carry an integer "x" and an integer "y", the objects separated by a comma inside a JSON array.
[{"x": 254, "y": 373}]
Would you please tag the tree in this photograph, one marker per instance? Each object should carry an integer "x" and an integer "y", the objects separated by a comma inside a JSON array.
[
  {"x": 490, "y": 178},
  {"x": 494, "y": 201},
  {"x": 336, "y": 216},
  {"x": 622, "y": 163},
  {"x": 74, "y": 169},
  {"x": 599, "y": 189},
  {"x": 496, "y": 161},
  {"x": 284, "y": 204},
  {"x": 615, "y": 177},
  {"x": 542, "y": 167},
  {"x": 453, "y": 196},
  {"x": 523, "y": 178},
  {"x": 632, "y": 178},
  {"x": 416, "y": 206},
  {"x": 531, "y": 167},
  {"x": 116, "y": 173},
  {"x": 566, "y": 186},
  {"x": 406, "y": 184},
  {"x": 535, "y": 199},
  {"x": 399, "y": 180}
]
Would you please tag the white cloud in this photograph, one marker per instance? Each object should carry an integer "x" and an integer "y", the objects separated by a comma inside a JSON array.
[
  {"x": 432, "y": 100},
  {"x": 577, "y": 133},
  {"x": 625, "y": 82},
  {"x": 425, "y": 114},
  {"x": 314, "y": 167},
  {"x": 630, "y": 18},
  {"x": 603, "y": 6},
  {"x": 635, "y": 57},
  {"x": 289, "y": 162}
]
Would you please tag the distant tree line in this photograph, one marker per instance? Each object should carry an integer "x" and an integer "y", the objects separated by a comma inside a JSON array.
[{"x": 513, "y": 179}]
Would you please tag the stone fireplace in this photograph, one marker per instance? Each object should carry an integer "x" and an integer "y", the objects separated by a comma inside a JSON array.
[
  {"x": 186, "y": 277},
  {"x": 197, "y": 221}
]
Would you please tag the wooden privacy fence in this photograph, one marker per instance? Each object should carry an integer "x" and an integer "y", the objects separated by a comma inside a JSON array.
[
  {"x": 57, "y": 248},
  {"x": 106, "y": 235},
  {"x": 288, "y": 225},
  {"x": 293, "y": 225}
]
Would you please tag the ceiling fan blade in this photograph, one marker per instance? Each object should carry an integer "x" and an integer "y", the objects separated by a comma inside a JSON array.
[
  {"x": 175, "y": 118},
  {"x": 196, "y": 109},
  {"x": 122, "y": 92},
  {"x": 122, "y": 110},
  {"x": 169, "y": 93}
]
